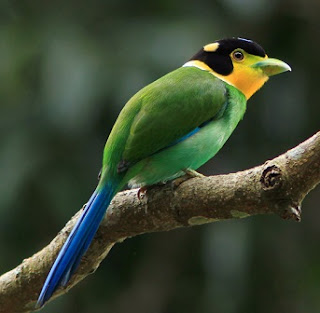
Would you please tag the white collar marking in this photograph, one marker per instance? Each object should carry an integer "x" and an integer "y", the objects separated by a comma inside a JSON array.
[{"x": 197, "y": 65}]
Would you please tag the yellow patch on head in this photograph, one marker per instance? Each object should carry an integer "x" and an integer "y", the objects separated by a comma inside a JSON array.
[{"x": 211, "y": 47}]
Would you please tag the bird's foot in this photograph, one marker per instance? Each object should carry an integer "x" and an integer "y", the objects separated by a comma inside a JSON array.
[
  {"x": 189, "y": 173},
  {"x": 84, "y": 206},
  {"x": 193, "y": 173},
  {"x": 142, "y": 191}
]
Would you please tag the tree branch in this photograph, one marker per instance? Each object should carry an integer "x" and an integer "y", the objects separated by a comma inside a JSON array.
[{"x": 278, "y": 186}]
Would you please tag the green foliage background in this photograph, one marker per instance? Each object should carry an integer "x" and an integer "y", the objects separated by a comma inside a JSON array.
[{"x": 66, "y": 70}]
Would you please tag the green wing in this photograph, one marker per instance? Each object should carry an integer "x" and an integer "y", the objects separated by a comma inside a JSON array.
[{"x": 165, "y": 111}]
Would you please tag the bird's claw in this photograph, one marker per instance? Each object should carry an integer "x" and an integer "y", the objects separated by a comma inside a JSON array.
[
  {"x": 141, "y": 191},
  {"x": 193, "y": 173},
  {"x": 188, "y": 175}
]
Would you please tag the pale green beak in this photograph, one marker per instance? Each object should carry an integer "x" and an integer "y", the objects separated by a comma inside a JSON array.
[{"x": 272, "y": 66}]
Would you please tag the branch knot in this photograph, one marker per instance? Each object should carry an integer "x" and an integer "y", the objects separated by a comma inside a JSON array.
[{"x": 271, "y": 177}]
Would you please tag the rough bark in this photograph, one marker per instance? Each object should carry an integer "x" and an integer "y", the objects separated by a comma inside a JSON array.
[{"x": 278, "y": 186}]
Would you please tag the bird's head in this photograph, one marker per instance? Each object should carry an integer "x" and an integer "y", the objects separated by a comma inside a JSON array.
[{"x": 239, "y": 62}]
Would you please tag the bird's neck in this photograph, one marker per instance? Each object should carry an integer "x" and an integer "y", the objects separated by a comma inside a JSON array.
[{"x": 237, "y": 78}]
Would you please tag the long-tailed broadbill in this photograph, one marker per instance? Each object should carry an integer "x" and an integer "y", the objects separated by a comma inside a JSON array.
[{"x": 173, "y": 125}]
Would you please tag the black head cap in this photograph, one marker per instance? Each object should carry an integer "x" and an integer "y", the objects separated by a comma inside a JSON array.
[{"x": 219, "y": 59}]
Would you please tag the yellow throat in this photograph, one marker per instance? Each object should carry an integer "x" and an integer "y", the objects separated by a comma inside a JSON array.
[{"x": 243, "y": 77}]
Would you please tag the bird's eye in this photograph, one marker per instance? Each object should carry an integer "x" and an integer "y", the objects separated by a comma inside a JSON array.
[{"x": 238, "y": 55}]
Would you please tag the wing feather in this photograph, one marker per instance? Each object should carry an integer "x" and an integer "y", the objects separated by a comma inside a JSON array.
[{"x": 170, "y": 108}]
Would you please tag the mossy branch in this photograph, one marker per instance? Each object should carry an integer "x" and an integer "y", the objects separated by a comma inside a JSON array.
[{"x": 278, "y": 186}]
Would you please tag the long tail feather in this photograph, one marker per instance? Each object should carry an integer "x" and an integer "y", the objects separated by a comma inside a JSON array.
[{"x": 77, "y": 243}]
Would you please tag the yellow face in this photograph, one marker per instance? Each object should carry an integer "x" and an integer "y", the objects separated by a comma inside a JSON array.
[
  {"x": 239, "y": 62},
  {"x": 245, "y": 77}
]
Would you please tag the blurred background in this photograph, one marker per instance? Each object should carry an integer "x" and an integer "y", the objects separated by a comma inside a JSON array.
[{"x": 66, "y": 70}]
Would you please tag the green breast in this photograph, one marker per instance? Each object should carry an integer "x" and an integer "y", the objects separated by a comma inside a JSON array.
[
  {"x": 195, "y": 150},
  {"x": 162, "y": 112}
]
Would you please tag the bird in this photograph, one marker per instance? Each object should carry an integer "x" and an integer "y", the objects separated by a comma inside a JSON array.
[{"x": 167, "y": 129}]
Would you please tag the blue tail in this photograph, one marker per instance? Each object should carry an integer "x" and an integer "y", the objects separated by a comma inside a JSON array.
[{"x": 77, "y": 243}]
